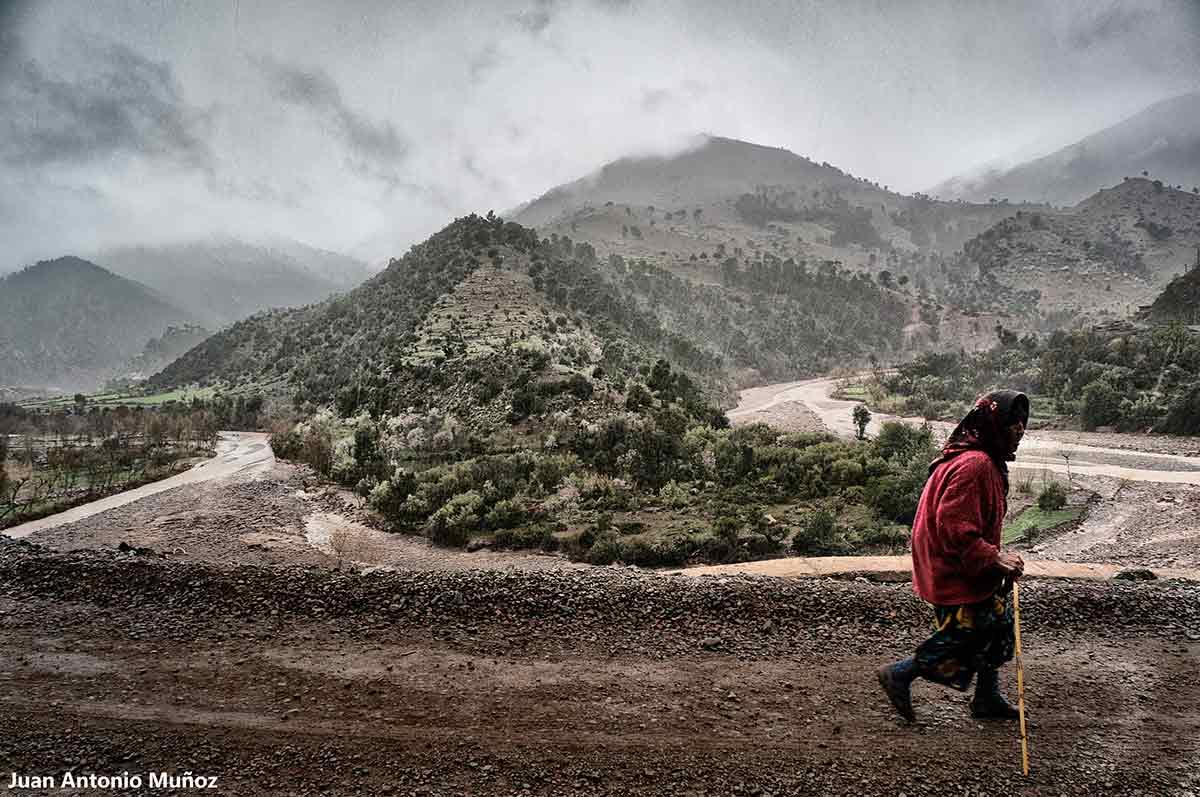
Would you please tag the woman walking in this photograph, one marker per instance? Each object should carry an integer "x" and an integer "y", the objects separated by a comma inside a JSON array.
[{"x": 958, "y": 566}]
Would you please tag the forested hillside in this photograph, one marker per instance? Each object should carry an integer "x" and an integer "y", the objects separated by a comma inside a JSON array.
[
  {"x": 69, "y": 324},
  {"x": 486, "y": 305},
  {"x": 1179, "y": 301}
]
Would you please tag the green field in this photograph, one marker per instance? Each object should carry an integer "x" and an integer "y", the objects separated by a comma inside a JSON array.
[
  {"x": 122, "y": 399},
  {"x": 1036, "y": 518}
]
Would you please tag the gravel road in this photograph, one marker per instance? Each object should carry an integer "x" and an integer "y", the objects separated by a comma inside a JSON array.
[{"x": 607, "y": 681}]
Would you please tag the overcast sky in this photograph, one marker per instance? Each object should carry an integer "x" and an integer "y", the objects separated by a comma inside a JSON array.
[{"x": 364, "y": 126}]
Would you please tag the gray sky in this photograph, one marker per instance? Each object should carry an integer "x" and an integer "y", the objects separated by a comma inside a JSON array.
[{"x": 364, "y": 126}]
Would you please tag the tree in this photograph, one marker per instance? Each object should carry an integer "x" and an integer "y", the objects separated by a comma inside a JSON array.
[
  {"x": 862, "y": 417},
  {"x": 1101, "y": 405}
]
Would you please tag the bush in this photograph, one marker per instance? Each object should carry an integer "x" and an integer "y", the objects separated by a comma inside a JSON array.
[
  {"x": 1101, "y": 405},
  {"x": 898, "y": 440},
  {"x": 452, "y": 524},
  {"x": 605, "y": 550},
  {"x": 816, "y": 533},
  {"x": 1052, "y": 497},
  {"x": 505, "y": 514},
  {"x": 535, "y": 536},
  {"x": 286, "y": 443},
  {"x": 674, "y": 495}
]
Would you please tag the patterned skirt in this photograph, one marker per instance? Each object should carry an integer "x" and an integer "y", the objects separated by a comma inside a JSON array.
[{"x": 966, "y": 639}]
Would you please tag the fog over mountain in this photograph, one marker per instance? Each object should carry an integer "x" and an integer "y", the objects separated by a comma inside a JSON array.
[
  {"x": 362, "y": 127},
  {"x": 1162, "y": 142}
]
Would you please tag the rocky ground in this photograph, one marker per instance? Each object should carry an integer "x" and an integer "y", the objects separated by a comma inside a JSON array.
[
  {"x": 1140, "y": 524},
  {"x": 290, "y": 680}
]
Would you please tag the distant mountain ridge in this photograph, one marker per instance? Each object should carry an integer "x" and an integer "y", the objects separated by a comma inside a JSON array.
[
  {"x": 1163, "y": 140},
  {"x": 748, "y": 189},
  {"x": 222, "y": 280},
  {"x": 70, "y": 324}
]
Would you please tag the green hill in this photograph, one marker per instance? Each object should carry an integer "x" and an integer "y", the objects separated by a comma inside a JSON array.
[
  {"x": 484, "y": 313},
  {"x": 69, "y": 324}
]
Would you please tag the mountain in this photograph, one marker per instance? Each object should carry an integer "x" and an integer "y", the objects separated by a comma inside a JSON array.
[
  {"x": 726, "y": 207},
  {"x": 725, "y": 191},
  {"x": 70, "y": 324},
  {"x": 222, "y": 280},
  {"x": 160, "y": 351},
  {"x": 1162, "y": 142},
  {"x": 1099, "y": 260},
  {"x": 485, "y": 311}
]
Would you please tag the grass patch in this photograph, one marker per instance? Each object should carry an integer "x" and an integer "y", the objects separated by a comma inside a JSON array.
[
  {"x": 852, "y": 393},
  {"x": 1036, "y": 518}
]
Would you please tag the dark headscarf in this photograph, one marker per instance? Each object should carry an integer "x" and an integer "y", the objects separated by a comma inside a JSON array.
[{"x": 983, "y": 429}]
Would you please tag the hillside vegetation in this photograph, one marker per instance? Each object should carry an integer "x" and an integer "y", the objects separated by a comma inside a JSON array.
[
  {"x": 1097, "y": 261},
  {"x": 688, "y": 213},
  {"x": 1128, "y": 377},
  {"x": 70, "y": 324},
  {"x": 1179, "y": 301},
  {"x": 484, "y": 310}
]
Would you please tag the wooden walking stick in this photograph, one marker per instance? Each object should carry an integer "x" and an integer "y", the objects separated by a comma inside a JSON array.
[{"x": 1020, "y": 681}]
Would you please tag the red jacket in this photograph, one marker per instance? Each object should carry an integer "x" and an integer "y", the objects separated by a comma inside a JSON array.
[{"x": 956, "y": 533}]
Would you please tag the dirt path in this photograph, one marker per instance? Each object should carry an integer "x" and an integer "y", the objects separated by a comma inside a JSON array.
[
  {"x": 242, "y": 454},
  {"x": 604, "y": 682},
  {"x": 1039, "y": 451},
  {"x": 899, "y": 569}
]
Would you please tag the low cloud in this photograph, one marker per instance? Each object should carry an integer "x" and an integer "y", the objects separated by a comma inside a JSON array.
[
  {"x": 371, "y": 143},
  {"x": 125, "y": 105}
]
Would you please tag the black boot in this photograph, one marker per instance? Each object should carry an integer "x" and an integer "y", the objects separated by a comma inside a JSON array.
[
  {"x": 896, "y": 680},
  {"x": 988, "y": 703}
]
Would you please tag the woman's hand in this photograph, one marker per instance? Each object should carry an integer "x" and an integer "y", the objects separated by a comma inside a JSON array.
[{"x": 1011, "y": 564}]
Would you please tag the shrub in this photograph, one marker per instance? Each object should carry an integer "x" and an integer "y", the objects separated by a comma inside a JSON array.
[
  {"x": 816, "y": 533},
  {"x": 1052, "y": 497},
  {"x": 901, "y": 441},
  {"x": 674, "y": 495},
  {"x": 1183, "y": 416},
  {"x": 452, "y": 524},
  {"x": 534, "y": 536},
  {"x": 580, "y": 387},
  {"x": 605, "y": 550},
  {"x": 505, "y": 514},
  {"x": 286, "y": 443},
  {"x": 1101, "y": 405}
]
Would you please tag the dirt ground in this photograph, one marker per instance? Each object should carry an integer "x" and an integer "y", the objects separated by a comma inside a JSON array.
[
  {"x": 280, "y": 517},
  {"x": 310, "y": 681}
]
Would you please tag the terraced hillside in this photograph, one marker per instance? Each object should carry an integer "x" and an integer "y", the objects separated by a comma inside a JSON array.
[{"x": 484, "y": 301}]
